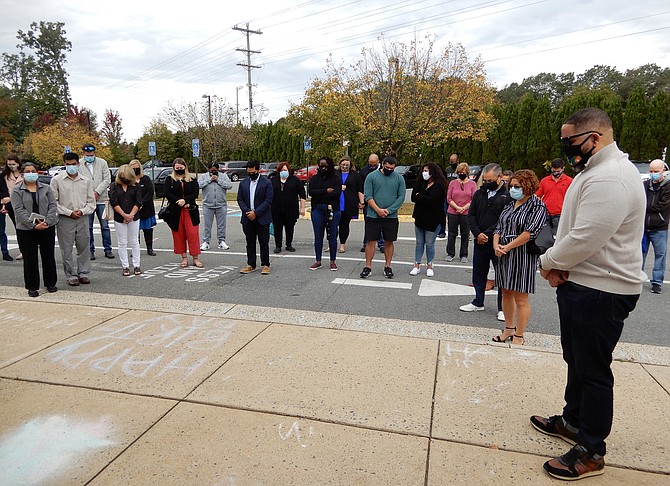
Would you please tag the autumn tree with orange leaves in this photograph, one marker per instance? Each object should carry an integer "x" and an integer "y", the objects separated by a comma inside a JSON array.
[{"x": 398, "y": 97}]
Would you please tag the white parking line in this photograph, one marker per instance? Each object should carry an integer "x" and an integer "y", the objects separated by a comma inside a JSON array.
[{"x": 372, "y": 283}]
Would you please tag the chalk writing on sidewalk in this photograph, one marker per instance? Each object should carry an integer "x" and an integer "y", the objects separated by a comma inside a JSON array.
[
  {"x": 297, "y": 432},
  {"x": 189, "y": 274},
  {"x": 22, "y": 318},
  {"x": 462, "y": 355},
  {"x": 172, "y": 345}
]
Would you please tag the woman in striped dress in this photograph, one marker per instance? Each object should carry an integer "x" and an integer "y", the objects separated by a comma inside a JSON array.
[{"x": 519, "y": 222}]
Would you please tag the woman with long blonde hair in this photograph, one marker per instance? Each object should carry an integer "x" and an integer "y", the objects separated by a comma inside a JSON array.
[{"x": 125, "y": 198}]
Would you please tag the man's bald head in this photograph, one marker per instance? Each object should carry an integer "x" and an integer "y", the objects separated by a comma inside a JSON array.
[
  {"x": 658, "y": 167},
  {"x": 373, "y": 159},
  {"x": 453, "y": 159}
]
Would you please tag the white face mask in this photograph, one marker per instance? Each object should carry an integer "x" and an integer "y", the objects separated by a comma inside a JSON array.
[{"x": 425, "y": 175}]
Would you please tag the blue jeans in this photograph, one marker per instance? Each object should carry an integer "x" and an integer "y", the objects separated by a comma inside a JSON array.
[
  {"x": 591, "y": 324},
  {"x": 659, "y": 240},
  {"x": 3, "y": 234},
  {"x": 104, "y": 228},
  {"x": 319, "y": 221},
  {"x": 424, "y": 238}
]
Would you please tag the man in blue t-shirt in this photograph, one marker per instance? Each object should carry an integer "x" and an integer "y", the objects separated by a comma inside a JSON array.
[{"x": 384, "y": 194}]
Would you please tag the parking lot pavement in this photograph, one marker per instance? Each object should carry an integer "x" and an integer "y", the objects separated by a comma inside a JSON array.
[{"x": 120, "y": 389}]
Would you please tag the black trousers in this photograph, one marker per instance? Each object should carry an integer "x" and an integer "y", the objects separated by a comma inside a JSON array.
[
  {"x": 591, "y": 325},
  {"x": 32, "y": 242},
  {"x": 343, "y": 230},
  {"x": 281, "y": 223},
  {"x": 253, "y": 231},
  {"x": 454, "y": 222}
]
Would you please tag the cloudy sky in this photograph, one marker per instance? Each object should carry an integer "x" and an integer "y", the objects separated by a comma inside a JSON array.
[{"x": 135, "y": 56}]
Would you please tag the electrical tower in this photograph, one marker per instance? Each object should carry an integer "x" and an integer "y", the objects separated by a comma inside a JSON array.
[{"x": 248, "y": 66}]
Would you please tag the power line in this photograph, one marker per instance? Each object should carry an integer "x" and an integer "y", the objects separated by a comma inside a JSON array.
[{"x": 248, "y": 66}]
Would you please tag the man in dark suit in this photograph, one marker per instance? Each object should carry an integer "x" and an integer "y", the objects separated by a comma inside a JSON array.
[{"x": 254, "y": 197}]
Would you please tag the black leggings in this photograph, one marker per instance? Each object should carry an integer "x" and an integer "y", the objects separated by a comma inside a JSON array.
[{"x": 343, "y": 229}]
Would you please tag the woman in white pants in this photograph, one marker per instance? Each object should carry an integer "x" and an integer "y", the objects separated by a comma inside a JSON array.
[{"x": 125, "y": 198}]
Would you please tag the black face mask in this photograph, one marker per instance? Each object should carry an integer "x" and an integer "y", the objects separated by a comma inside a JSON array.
[
  {"x": 462, "y": 176},
  {"x": 124, "y": 181},
  {"x": 573, "y": 151},
  {"x": 214, "y": 173},
  {"x": 180, "y": 171},
  {"x": 137, "y": 171},
  {"x": 490, "y": 186},
  {"x": 388, "y": 172},
  {"x": 323, "y": 170},
  {"x": 556, "y": 173},
  {"x": 253, "y": 176}
]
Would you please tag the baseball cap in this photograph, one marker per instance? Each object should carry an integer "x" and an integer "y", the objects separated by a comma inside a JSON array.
[{"x": 89, "y": 147}]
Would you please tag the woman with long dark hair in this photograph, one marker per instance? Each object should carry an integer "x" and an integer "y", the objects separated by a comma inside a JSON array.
[
  {"x": 11, "y": 178},
  {"x": 324, "y": 189},
  {"x": 428, "y": 197},
  {"x": 36, "y": 216}
]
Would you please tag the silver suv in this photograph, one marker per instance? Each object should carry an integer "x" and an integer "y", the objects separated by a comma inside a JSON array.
[{"x": 235, "y": 169}]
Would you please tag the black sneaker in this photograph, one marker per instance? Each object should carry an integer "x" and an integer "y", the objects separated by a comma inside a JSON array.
[
  {"x": 381, "y": 249},
  {"x": 656, "y": 289},
  {"x": 388, "y": 273},
  {"x": 554, "y": 426},
  {"x": 577, "y": 463},
  {"x": 92, "y": 255},
  {"x": 367, "y": 271},
  {"x": 6, "y": 256},
  {"x": 109, "y": 254}
]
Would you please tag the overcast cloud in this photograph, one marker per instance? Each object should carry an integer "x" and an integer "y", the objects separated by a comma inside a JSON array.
[{"x": 135, "y": 56}]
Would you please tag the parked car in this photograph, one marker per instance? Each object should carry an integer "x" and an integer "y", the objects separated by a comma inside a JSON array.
[
  {"x": 159, "y": 181},
  {"x": 154, "y": 167},
  {"x": 642, "y": 167},
  {"x": 44, "y": 178},
  {"x": 268, "y": 169},
  {"x": 302, "y": 173},
  {"x": 235, "y": 169},
  {"x": 409, "y": 173},
  {"x": 475, "y": 171},
  {"x": 55, "y": 170},
  {"x": 113, "y": 171}
]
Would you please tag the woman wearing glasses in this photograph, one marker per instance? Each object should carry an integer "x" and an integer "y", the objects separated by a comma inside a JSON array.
[{"x": 520, "y": 221}]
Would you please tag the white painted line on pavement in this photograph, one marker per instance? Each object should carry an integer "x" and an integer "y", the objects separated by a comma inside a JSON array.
[{"x": 372, "y": 283}]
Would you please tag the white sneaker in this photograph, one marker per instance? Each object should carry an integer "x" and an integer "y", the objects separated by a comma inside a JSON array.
[
  {"x": 223, "y": 246},
  {"x": 429, "y": 272},
  {"x": 501, "y": 316},
  {"x": 471, "y": 308},
  {"x": 204, "y": 246},
  {"x": 415, "y": 271}
]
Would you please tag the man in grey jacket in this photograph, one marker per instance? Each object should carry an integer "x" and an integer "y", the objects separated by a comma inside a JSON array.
[
  {"x": 97, "y": 169},
  {"x": 214, "y": 186},
  {"x": 595, "y": 265}
]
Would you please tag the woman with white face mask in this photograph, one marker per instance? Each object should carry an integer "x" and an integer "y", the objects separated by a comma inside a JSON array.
[
  {"x": 11, "y": 178},
  {"x": 428, "y": 197}
]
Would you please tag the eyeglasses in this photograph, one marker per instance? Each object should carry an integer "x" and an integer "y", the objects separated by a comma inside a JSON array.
[{"x": 565, "y": 141}]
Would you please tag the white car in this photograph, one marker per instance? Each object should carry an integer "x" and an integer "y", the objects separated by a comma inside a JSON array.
[{"x": 55, "y": 170}]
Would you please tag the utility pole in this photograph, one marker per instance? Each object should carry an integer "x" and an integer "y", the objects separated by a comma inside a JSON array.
[
  {"x": 248, "y": 66},
  {"x": 237, "y": 104}
]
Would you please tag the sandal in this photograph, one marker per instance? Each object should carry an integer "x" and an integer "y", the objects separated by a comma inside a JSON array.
[
  {"x": 497, "y": 339},
  {"x": 197, "y": 263},
  {"x": 523, "y": 340},
  {"x": 184, "y": 263}
]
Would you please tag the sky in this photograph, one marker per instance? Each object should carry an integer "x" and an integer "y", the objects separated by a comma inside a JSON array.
[{"x": 137, "y": 56}]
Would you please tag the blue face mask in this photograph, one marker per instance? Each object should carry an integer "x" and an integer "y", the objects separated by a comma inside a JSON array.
[
  {"x": 31, "y": 176},
  {"x": 89, "y": 158},
  {"x": 655, "y": 177},
  {"x": 516, "y": 193},
  {"x": 283, "y": 174},
  {"x": 72, "y": 169}
]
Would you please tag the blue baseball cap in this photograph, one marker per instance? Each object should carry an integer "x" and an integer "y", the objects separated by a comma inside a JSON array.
[{"x": 89, "y": 147}]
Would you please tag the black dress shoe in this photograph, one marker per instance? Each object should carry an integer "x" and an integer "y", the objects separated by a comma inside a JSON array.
[
  {"x": 277, "y": 249},
  {"x": 33, "y": 293},
  {"x": 151, "y": 252},
  {"x": 53, "y": 289},
  {"x": 7, "y": 257},
  {"x": 109, "y": 254},
  {"x": 290, "y": 248},
  {"x": 92, "y": 255}
]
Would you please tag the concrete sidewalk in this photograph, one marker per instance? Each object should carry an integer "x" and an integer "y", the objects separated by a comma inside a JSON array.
[{"x": 111, "y": 389}]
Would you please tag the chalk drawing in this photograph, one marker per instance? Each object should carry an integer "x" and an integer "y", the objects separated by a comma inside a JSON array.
[
  {"x": 139, "y": 348},
  {"x": 44, "y": 448},
  {"x": 296, "y": 432},
  {"x": 462, "y": 357},
  {"x": 189, "y": 274},
  {"x": 19, "y": 320}
]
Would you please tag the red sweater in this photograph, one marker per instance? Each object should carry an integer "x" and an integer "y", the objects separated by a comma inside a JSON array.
[{"x": 552, "y": 192}]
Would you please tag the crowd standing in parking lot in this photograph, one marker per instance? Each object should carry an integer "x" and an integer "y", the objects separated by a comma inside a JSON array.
[{"x": 656, "y": 221}]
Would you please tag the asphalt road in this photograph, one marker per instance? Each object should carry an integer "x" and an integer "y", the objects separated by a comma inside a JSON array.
[{"x": 292, "y": 285}]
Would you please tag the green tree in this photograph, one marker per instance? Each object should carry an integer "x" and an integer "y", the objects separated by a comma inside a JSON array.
[
  {"x": 521, "y": 131},
  {"x": 657, "y": 128},
  {"x": 634, "y": 121},
  {"x": 36, "y": 75},
  {"x": 166, "y": 142},
  {"x": 539, "y": 145}
]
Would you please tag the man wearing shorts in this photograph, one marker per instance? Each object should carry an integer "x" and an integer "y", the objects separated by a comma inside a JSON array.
[{"x": 384, "y": 194}]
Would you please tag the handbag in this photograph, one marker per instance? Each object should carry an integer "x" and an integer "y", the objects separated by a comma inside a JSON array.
[
  {"x": 544, "y": 239},
  {"x": 108, "y": 214},
  {"x": 164, "y": 211}
]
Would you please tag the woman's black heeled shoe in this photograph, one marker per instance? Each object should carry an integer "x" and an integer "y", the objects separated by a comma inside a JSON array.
[{"x": 497, "y": 339}]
